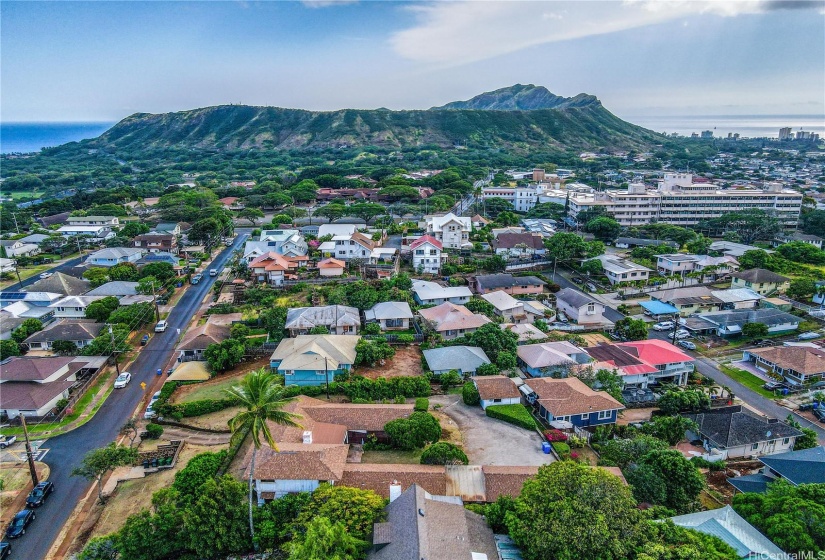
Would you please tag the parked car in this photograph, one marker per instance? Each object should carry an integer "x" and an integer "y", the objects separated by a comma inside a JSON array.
[
  {"x": 663, "y": 326},
  {"x": 680, "y": 334},
  {"x": 592, "y": 287},
  {"x": 39, "y": 494},
  {"x": 819, "y": 413},
  {"x": 144, "y": 340},
  {"x": 155, "y": 397},
  {"x": 809, "y": 335},
  {"x": 687, "y": 345},
  {"x": 213, "y": 272},
  {"x": 5, "y": 550},
  {"x": 196, "y": 278},
  {"x": 161, "y": 326},
  {"x": 5, "y": 441},
  {"x": 150, "y": 412},
  {"x": 45, "y": 275},
  {"x": 17, "y": 527},
  {"x": 577, "y": 280},
  {"x": 123, "y": 380}
]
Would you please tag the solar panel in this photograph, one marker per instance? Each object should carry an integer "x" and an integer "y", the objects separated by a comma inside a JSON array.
[{"x": 12, "y": 296}]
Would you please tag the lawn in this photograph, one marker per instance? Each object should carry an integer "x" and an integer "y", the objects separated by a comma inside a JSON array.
[
  {"x": 17, "y": 195},
  {"x": 393, "y": 456},
  {"x": 747, "y": 379},
  {"x": 213, "y": 389}
]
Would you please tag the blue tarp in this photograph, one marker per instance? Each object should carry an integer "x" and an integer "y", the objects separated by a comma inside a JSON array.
[{"x": 659, "y": 308}]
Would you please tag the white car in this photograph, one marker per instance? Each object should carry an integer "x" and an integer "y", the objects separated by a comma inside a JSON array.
[
  {"x": 150, "y": 412},
  {"x": 123, "y": 380},
  {"x": 680, "y": 334},
  {"x": 155, "y": 397},
  {"x": 809, "y": 335},
  {"x": 687, "y": 345},
  {"x": 161, "y": 326},
  {"x": 663, "y": 326},
  {"x": 45, "y": 275}
]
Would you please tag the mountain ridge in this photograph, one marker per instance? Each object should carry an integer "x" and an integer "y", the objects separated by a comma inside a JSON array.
[{"x": 520, "y": 97}]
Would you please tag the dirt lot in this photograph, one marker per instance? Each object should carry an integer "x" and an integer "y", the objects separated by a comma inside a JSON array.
[
  {"x": 405, "y": 363},
  {"x": 16, "y": 485},
  {"x": 491, "y": 442},
  {"x": 631, "y": 415}
]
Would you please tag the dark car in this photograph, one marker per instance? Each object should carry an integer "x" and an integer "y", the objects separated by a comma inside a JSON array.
[
  {"x": 820, "y": 414},
  {"x": 39, "y": 494},
  {"x": 144, "y": 340},
  {"x": 5, "y": 550},
  {"x": 17, "y": 527}
]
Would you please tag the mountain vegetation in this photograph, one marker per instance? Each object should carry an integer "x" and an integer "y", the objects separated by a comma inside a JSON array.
[{"x": 521, "y": 98}]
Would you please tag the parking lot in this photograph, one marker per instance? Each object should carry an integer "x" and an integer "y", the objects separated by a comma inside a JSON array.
[{"x": 492, "y": 442}]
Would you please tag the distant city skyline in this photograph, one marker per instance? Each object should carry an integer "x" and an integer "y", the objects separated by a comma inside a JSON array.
[{"x": 102, "y": 61}]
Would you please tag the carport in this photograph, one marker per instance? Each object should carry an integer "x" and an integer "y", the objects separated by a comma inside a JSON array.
[{"x": 657, "y": 309}]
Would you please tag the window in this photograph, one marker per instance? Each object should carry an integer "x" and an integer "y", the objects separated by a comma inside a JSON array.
[
  {"x": 289, "y": 372},
  {"x": 585, "y": 416},
  {"x": 496, "y": 400},
  {"x": 786, "y": 441},
  {"x": 591, "y": 308},
  {"x": 754, "y": 447},
  {"x": 321, "y": 372},
  {"x": 605, "y": 414},
  {"x": 419, "y": 251}
]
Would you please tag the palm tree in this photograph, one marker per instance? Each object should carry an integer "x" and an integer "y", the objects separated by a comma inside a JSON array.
[{"x": 262, "y": 397}]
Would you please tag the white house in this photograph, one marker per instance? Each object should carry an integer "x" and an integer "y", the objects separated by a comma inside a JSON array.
[
  {"x": 355, "y": 246},
  {"x": 620, "y": 270},
  {"x": 426, "y": 254},
  {"x": 496, "y": 389},
  {"x": 17, "y": 248},
  {"x": 98, "y": 232},
  {"x": 390, "y": 315},
  {"x": 73, "y": 307},
  {"x": 580, "y": 308},
  {"x": 431, "y": 293},
  {"x": 108, "y": 221},
  {"x": 463, "y": 359},
  {"x": 115, "y": 255},
  {"x": 452, "y": 231}
]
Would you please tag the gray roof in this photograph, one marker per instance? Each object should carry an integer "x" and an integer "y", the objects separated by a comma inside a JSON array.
[
  {"x": 754, "y": 483},
  {"x": 493, "y": 281},
  {"x": 800, "y": 467},
  {"x": 462, "y": 358},
  {"x": 116, "y": 288},
  {"x": 732, "y": 426},
  {"x": 389, "y": 310},
  {"x": 729, "y": 526},
  {"x": 328, "y": 315},
  {"x": 769, "y": 317},
  {"x": 760, "y": 276},
  {"x": 574, "y": 298},
  {"x": 67, "y": 329},
  {"x": 645, "y": 242},
  {"x": 115, "y": 253},
  {"x": 35, "y": 238},
  {"x": 60, "y": 283}
]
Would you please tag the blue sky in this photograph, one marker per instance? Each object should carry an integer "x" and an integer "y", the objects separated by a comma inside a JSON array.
[{"x": 101, "y": 61}]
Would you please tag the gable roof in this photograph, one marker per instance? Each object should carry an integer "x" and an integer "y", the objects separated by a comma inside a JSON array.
[
  {"x": 449, "y": 317},
  {"x": 570, "y": 396},
  {"x": 60, "y": 283},
  {"x": 426, "y": 239},
  {"x": 732, "y": 426},
  {"x": 389, "y": 310},
  {"x": 371, "y": 417},
  {"x": 548, "y": 354},
  {"x": 438, "y": 222},
  {"x": 198, "y": 338},
  {"x": 115, "y": 253},
  {"x": 575, "y": 298},
  {"x": 501, "y": 300},
  {"x": 116, "y": 288},
  {"x": 510, "y": 240},
  {"x": 430, "y": 290},
  {"x": 315, "y": 352},
  {"x": 21, "y": 368},
  {"x": 67, "y": 329},
  {"x": 496, "y": 387},
  {"x": 331, "y": 263},
  {"x": 729, "y": 526},
  {"x": 362, "y": 240},
  {"x": 760, "y": 276},
  {"x": 462, "y": 358},
  {"x": 806, "y": 466},
  {"x": 328, "y": 315},
  {"x": 736, "y": 295},
  {"x": 301, "y": 461},
  {"x": 492, "y": 281},
  {"x": 802, "y": 359}
]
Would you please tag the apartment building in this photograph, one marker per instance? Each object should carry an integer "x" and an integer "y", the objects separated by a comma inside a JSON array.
[
  {"x": 452, "y": 231},
  {"x": 679, "y": 201}
]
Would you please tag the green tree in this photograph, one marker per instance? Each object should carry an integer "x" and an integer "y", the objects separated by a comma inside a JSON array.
[
  {"x": 621, "y": 452},
  {"x": 675, "y": 401},
  {"x": 219, "y": 507},
  {"x": 96, "y": 276},
  {"x": 26, "y": 329},
  {"x": 355, "y": 508},
  {"x": 198, "y": 470},
  {"x": 449, "y": 379},
  {"x": 631, "y": 329},
  {"x": 802, "y": 288},
  {"x": 807, "y": 440},
  {"x": 133, "y": 316},
  {"x": 487, "y": 369},
  {"x": 469, "y": 394},
  {"x": 493, "y": 340},
  {"x": 239, "y": 331},
  {"x": 749, "y": 225},
  {"x": 593, "y": 267},
  {"x": 444, "y": 453},
  {"x": 755, "y": 258},
  {"x": 667, "y": 541},
  {"x": 64, "y": 347},
  {"x": 133, "y": 229},
  {"x": 224, "y": 355},
  {"x": 669, "y": 428},
  {"x": 679, "y": 477},
  {"x": 370, "y": 352},
  {"x": 275, "y": 520},
  {"x": 9, "y": 348},
  {"x": 124, "y": 272},
  {"x": 700, "y": 245},
  {"x": 569, "y": 510},
  {"x": 281, "y": 219},
  {"x": 251, "y": 214},
  {"x": 97, "y": 462},
  {"x": 163, "y": 271},
  {"x": 325, "y": 540},
  {"x": 101, "y": 309},
  {"x": 753, "y": 330},
  {"x": 263, "y": 400},
  {"x": 414, "y": 432},
  {"x": 566, "y": 247},
  {"x": 332, "y": 211},
  {"x": 506, "y": 360},
  {"x": 798, "y": 251},
  {"x": 205, "y": 231},
  {"x": 372, "y": 329},
  {"x": 603, "y": 228},
  {"x": 100, "y": 548},
  {"x": 154, "y": 536}
]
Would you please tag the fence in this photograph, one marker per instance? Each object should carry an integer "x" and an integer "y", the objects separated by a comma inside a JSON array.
[
  {"x": 528, "y": 265},
  {"x": 325, "y": 280}
]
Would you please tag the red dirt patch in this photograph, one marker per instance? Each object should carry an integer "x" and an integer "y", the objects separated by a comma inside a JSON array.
[{"x": 405, "y": 363}]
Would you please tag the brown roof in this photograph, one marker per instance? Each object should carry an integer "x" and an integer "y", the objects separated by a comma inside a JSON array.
[
  {"x": 450, "y": 317},
  {"x": 760, "y": 276},
  {"x": 363, "y": 239},
  {"x": 505, "y": 481},
  {"x": 301, "y": 461},
  {"x": 510, "y": 240},
  {"x": 496, "y": 387},
  {"x": 331, "y": 263},
  {"x": 30, "y": 396},
  {"x": 802, "y": 359},
  {"x": 21, "y": 368},
  {"x": 570, "y": 396},
  {"x": 378, "y": 477},
  {"x": 370, "y": 417},
  {"x": 198, "y": 338}
]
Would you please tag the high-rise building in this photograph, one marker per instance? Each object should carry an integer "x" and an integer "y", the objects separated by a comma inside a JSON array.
[
  {"x": 707, "y": 134},
  {"x": 785, "y": 133}
]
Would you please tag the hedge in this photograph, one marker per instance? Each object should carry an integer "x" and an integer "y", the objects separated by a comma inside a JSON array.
[
  {"x": 422, "y": 404},
  {"x": 206, "y": 406},
  {"x": 153, "y": 431},
  {"x": 513, "y": 413},
  {"x": 555, "y": 435},
  {"x": 469, "y": 394},
  {"x": 561, "y": 448}
]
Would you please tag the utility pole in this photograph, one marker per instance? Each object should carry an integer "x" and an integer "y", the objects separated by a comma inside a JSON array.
[
  {"x": 114, "y": 349},
  {"x": 326, "y": 375},
  {"x": 14, "y": 217},
  {"x": 17, "y": 271},
  {"x": 155, "y": 301},
  {"x": 29, "y": 454}
]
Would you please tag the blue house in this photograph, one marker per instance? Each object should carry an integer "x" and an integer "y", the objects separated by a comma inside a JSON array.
[
  {"x": 570, "y": 400},
  {"x": 314, "y": 359},
  {"x": 114, "y": 255}
]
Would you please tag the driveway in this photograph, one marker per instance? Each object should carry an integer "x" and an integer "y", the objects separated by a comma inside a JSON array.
[{"x": 492, "y": 442}]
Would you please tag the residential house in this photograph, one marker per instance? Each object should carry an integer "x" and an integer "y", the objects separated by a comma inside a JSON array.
[
  {"x": 272, "y": 268},
  {"x": 40, "y": 239},
  {"x": 643, "y": 363},
  {"x": 463, "y": 359},
  {"x": 32, "y": 386},
  {"x": 690, "y": 300},
  {"x": 519, "y": 245},
  {"x": 760, "y": 280},
  {"x": 107, "y": 221},
  {"x": 496, "y": 389},
  {"x": 732, "y": 249},
  {"x": 736, "y": 432},
  {"x": 679, "y": 264},
  {"x": 495, "y": 232},
  {"x": 390, "y": 315},
  {"x": 784, "y": 237},
  {"x": 544, "y": 227},
  {"x": 737, "y": 298},
  {"x": 724, "y": 523},
  {"x": 98, "y": 233},
  {"x": 37, "y": 299},
  {"x": 526, "y": 332},
  {"x": 452, "y": 231},
  {"x": 336, "y": 229},
  {"x": 18, "y": 248},
  {"x": 72, "y": 307},
  {"x": 479, "y": 221},
  {"x": 7, "y": 265},
  {"x": 81, "y": 332},
  {"x": 451, "y": 321},
  {"x": 355, "y": 246},
  {"x": 115, "y": 255},
  {"x": 170, "y": 228},
  {"x": 806, "y": 466},
  {"x": 580, "y": 308},
  {"x": 331, "y": 267},
  {"x": 513, "y": 285},
  {"x": 570, "y": 400},
  {"x": 798, "y": 365},
  {"x": 287, "y": 242},
  {"x": 551, "y": 359},
  {"x": 431, "y": 293},
  {"x": 658, "y": 309},
  {"x": 426, "y": 255},
  {"x": 730, "y": 323},
  {"x": 508, "y": 307},
  {"x": 156, "y": 242},
  {"x": 619, "y": 270},
  {"x": 54, "y": 219},
  {"x": 420, "y": 525},
  {"x": 314, "y": 359},
  {"x": 630, "y": 242},
  {"x": 339, "y": 319},
  {"x": 117, "y": 289},
  {"x": 231, "y": 203},
  {"x": 162, "y": 257},
  {"x": 197, "y": 339},
  {"x": 8, "y": 324}
]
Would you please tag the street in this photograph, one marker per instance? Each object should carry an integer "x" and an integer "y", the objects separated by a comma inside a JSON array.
[
  {"x": 66, "y": 451},
  {"x": 65, "y": 268}
]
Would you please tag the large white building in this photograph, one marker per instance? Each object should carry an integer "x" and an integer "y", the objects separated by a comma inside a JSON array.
[
  {"x": 452, "y": 231},
  {"x": 679, "y": 201}
]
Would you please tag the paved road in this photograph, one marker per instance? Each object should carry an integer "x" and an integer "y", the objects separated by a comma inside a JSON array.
[
  {"x": 66, "y": 451},
  {"x": 66, "y": 268}
]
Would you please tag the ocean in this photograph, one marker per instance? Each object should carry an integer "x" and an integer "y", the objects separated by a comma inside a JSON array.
[{"x": 31, "y": 137}]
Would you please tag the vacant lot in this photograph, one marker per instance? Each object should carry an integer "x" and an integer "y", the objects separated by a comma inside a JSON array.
[
  {"x": 214, "y": 388},
  {"x": 405, "y": 363}
]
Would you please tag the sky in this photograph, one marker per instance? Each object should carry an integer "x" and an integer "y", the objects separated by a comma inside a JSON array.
[{"x": 102, "y": 61}]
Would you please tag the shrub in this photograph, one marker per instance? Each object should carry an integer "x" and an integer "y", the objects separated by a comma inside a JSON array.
[
  {"x": 372, "y": 328},
  {"x": 400, "y": 399},
  {"x": 561, "y": 448},
  {"x": 488, "y": 369},
  {"x": 422, "y": 404},
  {"x": 470, "y": 395},
  {"x": 513, "y": 413},
  {"x": 206, "y": 406},
  {"x": 555, "y": 435},
  {"x": 414, "y": 432},
  {"x": 154, "y": 431},
  {"x": 405, "y": 338},
  {"x": 61, "y": 404},
  {"x": 702, "y": 463},
  {"x": 443, "y": 453}
]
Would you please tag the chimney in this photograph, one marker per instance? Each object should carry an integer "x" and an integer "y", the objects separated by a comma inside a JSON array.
[
  {"x": 395, "y": 490},
  {"x": 307, "y": 436}
]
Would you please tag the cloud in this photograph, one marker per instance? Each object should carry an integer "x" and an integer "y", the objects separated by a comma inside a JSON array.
[
  {"x": 326, "y": 3},
  {"x": 463, "y": 31}
]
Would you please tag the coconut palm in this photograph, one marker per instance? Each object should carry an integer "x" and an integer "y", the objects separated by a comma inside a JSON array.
[{"x": 262, "y": 397}]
